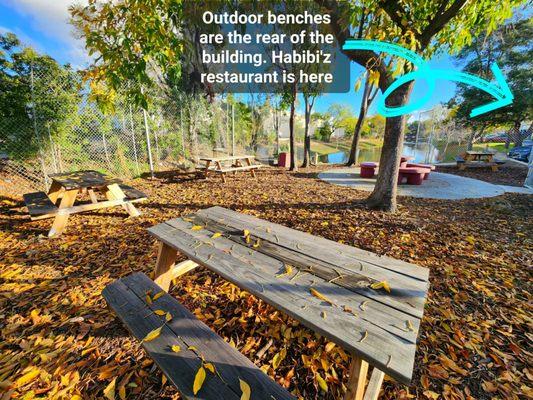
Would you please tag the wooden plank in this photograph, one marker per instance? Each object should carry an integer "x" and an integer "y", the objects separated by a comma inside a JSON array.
[
  {"x": 179, "y": 367},
  {"x": 83, "y": 179},
  {"x": 229, "y": 363},
  {"x": 309, "y": 244},
  {"x": 379, "y": 346},
  {"x": 235, "y": 169},
  {"x": 400, "y": 297},
  {"x": 132, "y": 194},
  {"x": 226, "y": 158},
  {"x": 116, "y": 192},
  {"x": 54, "y": 191},
  {"x": 166, "y": 258},
  {"x": 357, "y": 381},
  {"x": 39, "y": 205},
  {"x": 388, "y": 319},
  {"x": 183, "y": 267},
  {"x": 61, "y": 219},
  {"x": 374, "y": 385}
]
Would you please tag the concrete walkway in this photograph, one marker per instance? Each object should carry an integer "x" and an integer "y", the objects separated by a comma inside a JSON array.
[{"x": 438, "y": 186}]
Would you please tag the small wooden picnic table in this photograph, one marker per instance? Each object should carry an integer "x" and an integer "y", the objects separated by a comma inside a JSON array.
[
  {"x": 370, "y": 305},
  {"x": 479, "y": 157},
  {"x": 239, "y": 163},
  {"x": 66, "y": 187}
]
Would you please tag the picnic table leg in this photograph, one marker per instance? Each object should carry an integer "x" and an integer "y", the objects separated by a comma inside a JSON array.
[
  {"x": 114, "y": 192},
  {"x": 92, "y": 195},
  {"x": 357, "y": 379},
  {"x": 206, "y": 170},
  {"x": 374, "y": 385},
  {"x": 165, "y": 264},
  {"x": 54, "y": 191},
  {"x": 252, "y": 171},
  {"x": 60, "y": 221},
  {"x": 222, "y": 174}
]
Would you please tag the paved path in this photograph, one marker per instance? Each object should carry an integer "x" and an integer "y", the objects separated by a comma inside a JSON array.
[{"x": 438, "y": 186}]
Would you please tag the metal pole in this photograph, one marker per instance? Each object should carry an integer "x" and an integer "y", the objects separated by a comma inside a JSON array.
[
  {"x": 52, "y": 149},
  {"x": 134, "y": 142},
  {"x": 148, "y": 146},
  {"x": 232, "y": 130},
  {"x": 182, "y": 134}
]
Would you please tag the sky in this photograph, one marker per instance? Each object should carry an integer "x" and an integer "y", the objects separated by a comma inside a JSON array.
[{"x": 43, "y": 24}]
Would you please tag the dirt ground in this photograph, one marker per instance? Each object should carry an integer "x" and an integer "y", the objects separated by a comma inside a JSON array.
[
  {"x": 510, "y": 173},
  {"x": 58, "y": 339}
]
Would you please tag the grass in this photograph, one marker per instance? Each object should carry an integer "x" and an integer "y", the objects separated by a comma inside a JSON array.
[
  {"x": 323, "y": 148},
  {"x": 499, "y": 147}
]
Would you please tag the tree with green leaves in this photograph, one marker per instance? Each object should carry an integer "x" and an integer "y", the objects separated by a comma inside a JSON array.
[
  {"x": 34, "y": 90},
  {"x": 511, "y": 47},
  {"x": 424, "y": 26}
]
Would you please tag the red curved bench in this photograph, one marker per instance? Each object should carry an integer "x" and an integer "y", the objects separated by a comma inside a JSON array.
[
  {"x": 414, "y": 176},
  {"x": 425, "y": 166},
  {"x": 368, "y": 169}
]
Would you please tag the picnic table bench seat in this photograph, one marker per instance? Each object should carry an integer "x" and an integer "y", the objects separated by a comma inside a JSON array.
[
  {"x": 39, "y": 205},
  {"x": 198, "y": 344},
  {"x": 132, "y": 194},
  {"x": 241, "y": 168}
]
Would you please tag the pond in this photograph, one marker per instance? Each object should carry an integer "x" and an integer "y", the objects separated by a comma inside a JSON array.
[{"x": 422, "y": 153}]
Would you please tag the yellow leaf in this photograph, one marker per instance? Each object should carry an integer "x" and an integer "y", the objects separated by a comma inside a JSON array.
[
  {"x": 410, "y": 325},
  {"x": 175, "y": 348},
  {"x": 322, "y": 383},
  {"x": 365, "y": 335},
  {"x": 357, "y": 85},
  {"x": 329, "y": 347},
  {"x": 210, "y": 367},
  {"x": 152, "y": 335},
  {"x": 27, "y": 377},
  {"x": 246, "y": 233},
  {"x": 246, "y": 391},
  {"x": 257, "y": 243},
  {"x": 160, "y": 312},
  {"x": 148, "y": 299},
  {"x": 122, "y": 392},
  {"x": 109, "y": 391},
  {"x": 248, "y": 240},
  {"x": 76, "y": 397},
  {"x": 215, "y": 235},
  {"x": 470, "y": 239},
  {"x": 168, "y": 317},
  {"x": 198, "y": 380},
  {"x": 320, "y": 296},
  {"x": 163, "y": 380},
  {"x": 192, "y": 348},
  {"x": 197, "y": 227},
  {"x": 380, "y": 285},
  {"x": 158, "y": 295},
  {"x": 278, "y": 358},
  {"x": 323, "y": 314}
]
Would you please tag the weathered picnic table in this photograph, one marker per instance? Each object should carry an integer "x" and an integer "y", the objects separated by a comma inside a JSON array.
[
  {"x": 217, "y": 164},
  {"x": 476, "y": 158},
  {"x": 66, "y": 187},
  {"x": 370, "y": 305}
]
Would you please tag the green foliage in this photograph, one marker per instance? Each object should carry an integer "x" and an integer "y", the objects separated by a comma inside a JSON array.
[
  {"x": 36, "y": 95},
  {"x": 511, "y": 46}
]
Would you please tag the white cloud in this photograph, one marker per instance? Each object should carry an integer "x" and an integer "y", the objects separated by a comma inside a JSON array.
[{"x": 51, "y": 18}]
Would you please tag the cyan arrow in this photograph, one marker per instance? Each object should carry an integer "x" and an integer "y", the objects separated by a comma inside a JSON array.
[{"x": 500, "y": 90}]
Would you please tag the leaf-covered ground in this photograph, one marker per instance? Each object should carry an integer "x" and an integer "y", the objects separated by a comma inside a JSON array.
[
  {"x": 511, "y": 173},
  {"x": 58, "y": 339}
]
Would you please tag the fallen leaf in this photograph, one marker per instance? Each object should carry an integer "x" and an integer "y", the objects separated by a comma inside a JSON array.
[
  {"x": 216, "y": 235},
  {"x": 153, "y": 334},
  {"x": 245, "y": 389},
  {"x": 175, "y": 348},
  {"x": 322, "y": 383},
  {"x": 109, "y": 391},
  {"x": 198, "y": 380},
  {"x": 320, "y": 296}
]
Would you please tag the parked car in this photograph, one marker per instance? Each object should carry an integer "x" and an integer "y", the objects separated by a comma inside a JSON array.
[
  {"x": 521, "y": 153},
  {"x": 494, "y": 137}
]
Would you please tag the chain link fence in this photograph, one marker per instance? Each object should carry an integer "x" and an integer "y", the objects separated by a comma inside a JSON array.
[{"x": 56, "y": 126}]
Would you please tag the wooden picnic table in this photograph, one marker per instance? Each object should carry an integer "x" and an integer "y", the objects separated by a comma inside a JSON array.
[
  {"x": 474, "y": 158},
  {"x": 66, "y": 187},
  {"x": 239, "y": 163},
  {"x": 339, "y": 291}
]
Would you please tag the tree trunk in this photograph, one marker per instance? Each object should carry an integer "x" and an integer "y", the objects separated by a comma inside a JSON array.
[
  {"x": 293, "y": 166},
  {"x": 352, "y": 159},
  {"x": 384, "y": 195},
  {"x": 307, "y": 137},
  {"x": 471, "y": 139}
]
